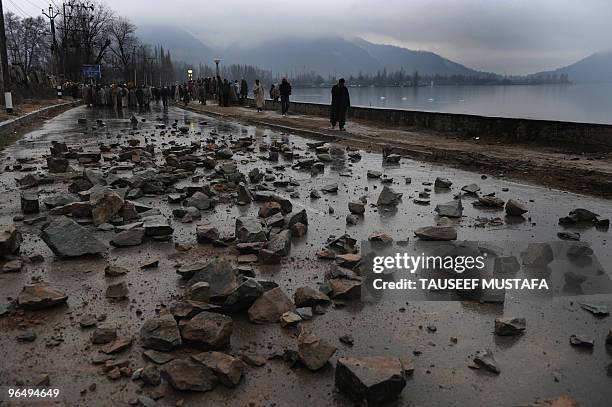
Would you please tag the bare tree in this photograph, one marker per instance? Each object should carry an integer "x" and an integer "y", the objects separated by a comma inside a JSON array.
[
  {"x": 27, "y": 41},
  {"x": 123, "y": 42}
]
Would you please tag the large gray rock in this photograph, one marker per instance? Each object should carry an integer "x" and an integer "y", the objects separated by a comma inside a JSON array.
[
  {"x": 372, "y": 380},
  {"x": 189, "y": 375},
  {"x": 10, "y": 240},
  {"x": 160, "y": 333},
  {"x": 270, "y": 306},
  {"x": 313, "y": 351},
  {"x": 39, "y": 296},
  {"x": 388, "y": 197},
  {"x": 68, "y": 239},
  {"x": 207, "y": 330},
  {"x": 452, "y": 209},
  {"x": 249, "y": 229}
]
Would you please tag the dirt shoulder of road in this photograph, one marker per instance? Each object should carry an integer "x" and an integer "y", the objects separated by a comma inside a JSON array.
[
  {"x": 9, "y": 136},
  {"x": 26, "y": 106},
  {"x": 585, "y": 173}
]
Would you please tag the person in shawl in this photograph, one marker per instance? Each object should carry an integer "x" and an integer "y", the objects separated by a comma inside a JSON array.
[{"x": 258, "y": 93}]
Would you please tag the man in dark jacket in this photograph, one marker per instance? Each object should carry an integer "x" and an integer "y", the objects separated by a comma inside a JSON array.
[
  {"x": 339, "y": 105},
  {"x": 244, "y": 90},
  {"x": 285, "y": 90},
  {"x": 165, "y": 92}
]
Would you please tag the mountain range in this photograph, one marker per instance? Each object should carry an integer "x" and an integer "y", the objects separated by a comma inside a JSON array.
[
  {"x": 341, "y": 57},
  {"x": 594, "y": 68}
]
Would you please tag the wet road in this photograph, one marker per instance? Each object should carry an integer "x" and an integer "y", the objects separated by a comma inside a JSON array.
[{"x": 539, "y": 364}]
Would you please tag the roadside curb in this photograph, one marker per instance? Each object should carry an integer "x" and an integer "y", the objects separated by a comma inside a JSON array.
[{"x": 8, "y": 127}]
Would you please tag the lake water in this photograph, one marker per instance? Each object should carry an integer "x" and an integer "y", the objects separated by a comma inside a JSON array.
[{"x": 579, "y": 102}]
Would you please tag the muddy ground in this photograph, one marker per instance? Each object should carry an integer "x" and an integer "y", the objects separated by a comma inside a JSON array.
[{"x": 539, "y": 364}]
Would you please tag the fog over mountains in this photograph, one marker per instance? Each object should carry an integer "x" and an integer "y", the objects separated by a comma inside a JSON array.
[{"x": 340, "y": 57}]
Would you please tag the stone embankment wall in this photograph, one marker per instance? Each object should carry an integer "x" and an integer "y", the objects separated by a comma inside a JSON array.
[{"x": 575, "y": 136}]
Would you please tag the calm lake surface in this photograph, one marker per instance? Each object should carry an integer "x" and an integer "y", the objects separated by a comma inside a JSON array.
[{"x": 579, "y": 102}]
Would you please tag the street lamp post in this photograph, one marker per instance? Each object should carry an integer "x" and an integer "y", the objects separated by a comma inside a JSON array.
[{"x": 217, "y": 60}]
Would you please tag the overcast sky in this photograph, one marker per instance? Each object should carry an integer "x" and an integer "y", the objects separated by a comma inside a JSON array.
[{"x": 503, "y": 36}]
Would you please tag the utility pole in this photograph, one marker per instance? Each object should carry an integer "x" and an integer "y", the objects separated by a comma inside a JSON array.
[
  {"x": 6, "y": 79},
  {"x": 51, "y": 16}
]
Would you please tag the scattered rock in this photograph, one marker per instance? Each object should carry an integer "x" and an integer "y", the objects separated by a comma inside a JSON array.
[
  {"x": 438, "y": 233},
  {"x": 117, "y": 291},
  {"x": 10, "y": 240},
  {"x": 453, "y": 209},
  {"x": 207, "y": 233},
  {"x": 442, "y": 183},
  {"x": 270, "y": 306},
  {"x": 309, "y": 297},
  {"x": 357, "y": 208},
  {"x": 207, "y": 330},
  {"x": 185, "y": 374},
  {"x": 486, "y": 360},
  {"x": 582, "y": 341},
  {"x": 227, "y": 368},
  {"x": 515, "y": 208},
  {"x": 104, "y": 334},
  {"x": 388, "y": 197},
  {"x": 509, "y": 326},
  {"x": 130, "y": 237},
  {"x": 160, "y": 333},
  {"x": 249, "y": 229},
  {"x": 29, "y": 203},
  {"x": 372, "y": 380},
  {"x": 40, "y": 295},
  {"x": 68, "y": 239},
  {"x": 313, "y": 351}
]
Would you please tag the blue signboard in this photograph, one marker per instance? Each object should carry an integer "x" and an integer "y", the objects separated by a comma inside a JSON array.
[{"x": 92, "y": 71}]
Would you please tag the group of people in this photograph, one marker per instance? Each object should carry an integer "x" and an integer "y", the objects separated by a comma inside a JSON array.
[
  {"x": 225, "y": 92},
  {"x": 123, "y": 95}
]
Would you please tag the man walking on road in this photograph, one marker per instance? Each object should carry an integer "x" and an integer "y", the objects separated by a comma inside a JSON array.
[
  {"x": 339, "y": 105},
  {"x": 285, "y": 91}
]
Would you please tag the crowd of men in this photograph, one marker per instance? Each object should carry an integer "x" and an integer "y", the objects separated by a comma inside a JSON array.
[{"x": 225, "y": 92}]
